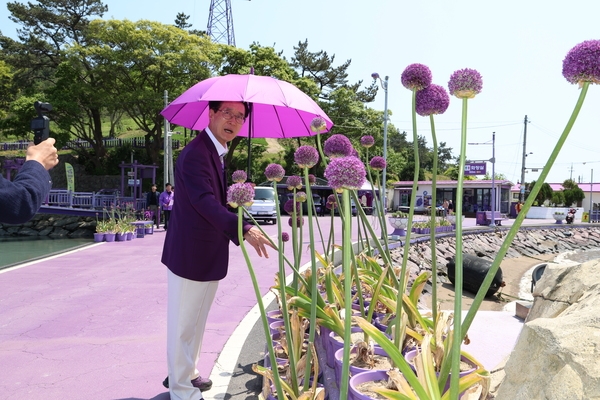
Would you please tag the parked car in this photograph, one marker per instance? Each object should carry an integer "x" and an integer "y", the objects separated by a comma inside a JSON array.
[
  {"x": 288, "y": 196},
  {"x": 263, "y": 208}
]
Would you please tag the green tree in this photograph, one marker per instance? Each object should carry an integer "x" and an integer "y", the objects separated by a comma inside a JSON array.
[
  {"x": 572, "y": 193},
  {"x": 558, "y": 198},
  {"x": 544, "y": 194},
  {"x": 137, "y": 62}
]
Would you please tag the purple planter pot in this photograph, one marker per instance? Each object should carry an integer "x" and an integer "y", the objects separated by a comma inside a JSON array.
[
  {"x": 368, "y": 376},
  {"x": 339, "y": 357}
]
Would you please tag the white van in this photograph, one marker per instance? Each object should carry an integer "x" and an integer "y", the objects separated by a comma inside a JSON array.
[{"x": 263, "y": 208}]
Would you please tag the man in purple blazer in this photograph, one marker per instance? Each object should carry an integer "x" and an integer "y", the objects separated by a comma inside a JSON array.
[
  {"x": 21, "y": 199},
  {"x": 196, "y": 249}
]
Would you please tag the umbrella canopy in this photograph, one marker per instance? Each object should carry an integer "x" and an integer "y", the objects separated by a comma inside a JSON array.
[{"x": 279, "y": 109}]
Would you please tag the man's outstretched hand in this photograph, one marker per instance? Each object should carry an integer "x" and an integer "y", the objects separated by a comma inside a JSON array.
[{"x": 257, "y": 240}]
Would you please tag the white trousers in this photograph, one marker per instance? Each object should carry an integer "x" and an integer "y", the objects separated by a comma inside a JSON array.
[{"x": 188, "y": 305}]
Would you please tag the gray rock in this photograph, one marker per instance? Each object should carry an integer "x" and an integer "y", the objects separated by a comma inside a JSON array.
[{"x": 557, "y": 355}]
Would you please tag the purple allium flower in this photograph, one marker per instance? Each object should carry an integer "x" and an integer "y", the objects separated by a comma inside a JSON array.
[
  {"x": 294, "y": 182},
  {"x": 285, "y": 237},
  {"x": 240, "y": 193},
  {"x": 582, "y": 63},
  {"x": 337, "y": 146},
  {"x": 288, "y": 207},
  {"x": 312, "y": 179},
  {"x": 416, "y": 77},
  {"x": 345, "y": 173},
  {"x": 239, "y": 176},
  {"x": 300, "y": 197},
  {"x": 465, "y": 83},
  {"x": 274, "y": 172},
  {"x": 367, "y": 141},
  {"x": 331, "y": 201},
  {"x": 378, "y": 163},
  {"x": 354, "y": 153},
  {"x": 299, "y": 221},
  {"x": 318, "y": 124},
  {"x": 432, "y": 100},
  {"x": 375, "y": 75},
  {"x": 306, "y": 156}
]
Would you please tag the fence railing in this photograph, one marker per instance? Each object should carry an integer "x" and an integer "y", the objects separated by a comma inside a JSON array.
[
  {"x": 91, "y": 200},
  {"x": 136, "y": 142}
]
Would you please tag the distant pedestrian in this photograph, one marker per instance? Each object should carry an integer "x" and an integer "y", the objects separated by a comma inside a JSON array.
[
  {"x": 518, "y": 207},
  {"x": 166, "y": 203},
  {"x": 152, "y": 202}
]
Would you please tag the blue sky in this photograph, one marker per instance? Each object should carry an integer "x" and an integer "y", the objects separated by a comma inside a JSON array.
[{"x": 517, "y": 46}]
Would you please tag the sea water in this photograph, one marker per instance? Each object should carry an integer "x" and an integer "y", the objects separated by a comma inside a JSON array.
[{"x": 17, "y": 250}]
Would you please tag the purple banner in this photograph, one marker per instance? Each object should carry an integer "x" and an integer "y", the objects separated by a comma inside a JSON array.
[{"x": 475, "y": 169}]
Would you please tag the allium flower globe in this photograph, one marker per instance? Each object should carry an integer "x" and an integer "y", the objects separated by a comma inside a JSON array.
[
  {"x": 465, "y": 83},
  {"x": 299, "y": 221},
  {"x": 337, "y": 146},
  {"x": 318, "y": 124},
  {"x": 345, "y": 173},
  {"x": 582, "y": 63},
  {"x": 367, "y": 141},
  {"x": 306, "y": 156},
  {"x": 239, "y": 176},
  {"x": 240, "y": 194},
  {"x": 274, "y": 172},
  {"x": 294, "y": 182},
  {"x": 300, "y": 197},
  {"x": 331, "y": 201},
  {"x": 432, "y": 100},
  {"x": 378, "y": 163},
  {"x": 416, "y": 77},
  {"x": 288, "y": 207},
  {"x": 285, "y": 237}
]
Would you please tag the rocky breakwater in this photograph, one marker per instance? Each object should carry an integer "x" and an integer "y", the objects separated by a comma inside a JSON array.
[
  {"x": 54, "y": 226},
  {"x": 557, "y": 355},
  {"x": 529, "y": 242}
]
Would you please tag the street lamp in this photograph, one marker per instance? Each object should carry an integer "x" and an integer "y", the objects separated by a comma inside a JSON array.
[
  {"x": 493, "y": 161},
  {"x": 384, "y": 86}
]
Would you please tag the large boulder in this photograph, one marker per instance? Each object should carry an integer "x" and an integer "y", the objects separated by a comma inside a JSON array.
[{"x": 557, "y": 355}]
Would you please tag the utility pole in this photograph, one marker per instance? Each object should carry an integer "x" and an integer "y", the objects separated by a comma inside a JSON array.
[{"x": 522, "y": 191}]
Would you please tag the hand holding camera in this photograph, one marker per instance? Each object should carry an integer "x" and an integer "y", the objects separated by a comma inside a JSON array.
[{"x": 45, "y": 153}]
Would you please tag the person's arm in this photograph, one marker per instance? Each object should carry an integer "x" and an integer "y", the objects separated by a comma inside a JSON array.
[{"x": 23, "y": 197}]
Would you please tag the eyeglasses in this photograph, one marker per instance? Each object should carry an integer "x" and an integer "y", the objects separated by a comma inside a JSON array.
[{"x": 229, "y": 115}]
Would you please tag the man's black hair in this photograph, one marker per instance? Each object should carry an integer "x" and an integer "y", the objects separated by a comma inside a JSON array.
[{"x": 216, "y": 105}]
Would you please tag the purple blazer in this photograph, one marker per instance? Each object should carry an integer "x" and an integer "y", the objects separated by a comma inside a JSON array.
[{"x": 200, "y": 228}]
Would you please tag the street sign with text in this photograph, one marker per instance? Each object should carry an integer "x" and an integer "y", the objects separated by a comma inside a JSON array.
[{"x": 475, "y": 169}]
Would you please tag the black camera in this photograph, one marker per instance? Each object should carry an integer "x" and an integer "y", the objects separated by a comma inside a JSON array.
[{"x": 41, "y": 124}]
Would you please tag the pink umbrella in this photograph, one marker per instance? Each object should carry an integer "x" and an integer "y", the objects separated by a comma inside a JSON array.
[{"x": 278, "y": 108}]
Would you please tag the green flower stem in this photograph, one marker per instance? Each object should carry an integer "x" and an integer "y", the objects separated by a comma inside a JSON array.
[
  {"x": 261, "y": 306},
  {"x": 313, "y": 284},
  {"x": 347, "y": 254},
  {"x": 458, "y": 262},
  {"x": 296, "y": 243},
  {"x": 434, "y": 302},
  {"x": 413, "y": 198},
  {"x": 521, "y": 216}
]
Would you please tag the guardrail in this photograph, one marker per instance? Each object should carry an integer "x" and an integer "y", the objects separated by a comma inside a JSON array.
[
  {"x": 91, "y": 200},
  {"x": 137, "y": 142}
]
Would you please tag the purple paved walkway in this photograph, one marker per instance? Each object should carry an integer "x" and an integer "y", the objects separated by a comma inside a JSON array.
[{"x": 90, "y": 324}]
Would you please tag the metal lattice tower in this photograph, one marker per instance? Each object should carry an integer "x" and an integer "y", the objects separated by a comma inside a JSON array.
[{"x": 220, "y": 22}]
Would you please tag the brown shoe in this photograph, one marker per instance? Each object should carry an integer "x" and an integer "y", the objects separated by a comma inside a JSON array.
[{"x": 201, "y": 383}]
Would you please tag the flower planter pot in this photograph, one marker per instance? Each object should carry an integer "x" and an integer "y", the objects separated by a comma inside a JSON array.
[
  {"x": 98, "y": 237},
  {"x": 120, "y": 237},
  {"x": 276, "y": 326},
  {"x": 559, "y": 218},
  {"x": 109, "y": 237},
  {"x": 149, "y": 231},
  {"x": 409, "y": 356},
  {"x": 129, "y": 236},
  {"x": 274, "y": 315},
  {"x": 335, "y": 344},
  {"x": 399, "y": 225},
  {"x": 363, "y": 377},
  {"x": 339, "y": 357}
]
